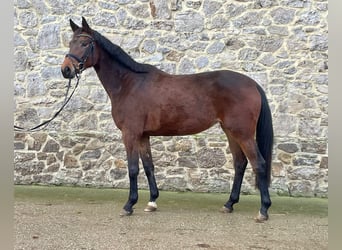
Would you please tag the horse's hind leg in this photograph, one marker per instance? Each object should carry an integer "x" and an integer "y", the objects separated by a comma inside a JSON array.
[
  {"x": 244, "y": 145},
  {"x": 240, "y": 163},
  {"x": 146, "y": 157},
  {"x": 258, "y": 163}
]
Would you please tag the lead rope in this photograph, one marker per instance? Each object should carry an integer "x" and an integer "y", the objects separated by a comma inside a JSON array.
[{"x": 46, "y": 123}]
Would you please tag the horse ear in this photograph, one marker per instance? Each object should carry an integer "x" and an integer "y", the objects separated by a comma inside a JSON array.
[
  {"x": 74, "y": 26},
  {"x": 85, "y": 26}
]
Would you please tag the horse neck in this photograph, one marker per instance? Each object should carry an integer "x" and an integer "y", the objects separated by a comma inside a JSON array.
[{"x": 111, "y": 74}]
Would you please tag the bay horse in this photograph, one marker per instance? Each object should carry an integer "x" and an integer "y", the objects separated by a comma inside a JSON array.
[{"x": 146, "y": 102}]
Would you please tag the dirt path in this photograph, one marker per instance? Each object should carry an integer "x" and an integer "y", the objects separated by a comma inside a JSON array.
[{"x": 74, "y": 218}]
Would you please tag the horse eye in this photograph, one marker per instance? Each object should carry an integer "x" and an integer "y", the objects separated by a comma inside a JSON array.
[{"x": 84, "y": 44}]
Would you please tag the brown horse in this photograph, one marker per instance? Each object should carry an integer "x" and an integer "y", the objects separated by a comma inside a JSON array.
[{"x": 149, "y": 102}]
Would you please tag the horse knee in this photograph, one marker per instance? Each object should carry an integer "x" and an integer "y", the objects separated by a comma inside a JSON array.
[{"x": 133, "y": 172}]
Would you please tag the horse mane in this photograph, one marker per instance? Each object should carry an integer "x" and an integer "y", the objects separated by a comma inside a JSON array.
[{"x": 119, "y": 55}]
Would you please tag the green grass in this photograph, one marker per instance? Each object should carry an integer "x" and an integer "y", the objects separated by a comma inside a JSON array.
[{"x": 177, "y": 200}]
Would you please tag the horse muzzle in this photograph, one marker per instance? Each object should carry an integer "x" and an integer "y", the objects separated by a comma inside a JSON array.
[
  {"x": 68, "y": 68},
  {"x": 68, "y": 72}
]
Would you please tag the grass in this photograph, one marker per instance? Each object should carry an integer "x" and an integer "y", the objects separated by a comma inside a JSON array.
[{"x": 176, "y": 200}]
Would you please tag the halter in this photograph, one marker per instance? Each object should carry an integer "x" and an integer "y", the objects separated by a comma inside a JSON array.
[{"x": 81, "y": 61}]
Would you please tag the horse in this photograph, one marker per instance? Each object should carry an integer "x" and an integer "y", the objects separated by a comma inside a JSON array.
[{"x": 146, "y": 101}]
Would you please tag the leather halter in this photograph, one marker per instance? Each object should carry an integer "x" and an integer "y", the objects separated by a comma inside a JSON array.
[{"x": 81, "y": 61}]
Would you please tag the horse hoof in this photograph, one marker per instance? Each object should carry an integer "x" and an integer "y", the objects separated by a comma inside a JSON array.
[
  {"x": 125, "y": 213},
  {"x": 226, "y": 210},
  {"x": 261, "y": 218},
  {"x": 151, "y": 207}
]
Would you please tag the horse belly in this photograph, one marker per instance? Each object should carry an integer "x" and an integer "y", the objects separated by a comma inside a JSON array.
[{"x": 178, "y": 122}]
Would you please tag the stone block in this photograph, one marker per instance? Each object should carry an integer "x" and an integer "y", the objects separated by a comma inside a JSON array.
[
  {"x": 324, "y": 162},
  {"x": 266, "y": 3},
  {"x": 310, "y": 127},
  {"x": 250, "y": 19},
  {"x": 35, "y": 85},
  {"x": 28, "y": 168},
  {"x": 288, "y": 147},
  {"x": 316, "y": 147},
  {"x": 216, "y": 48},
  {"x": 51, "y": 146},
  {"x": 52, "y": 168},
  {"x": 186, "y": 66},
  {"x": 285, "y": 158},
  {"x": 60, "y": 7},
  {"x": 149, "y": 46},
  {"x": 20, "y": 157},
  {"x": 174, "y": 56},
  {"x": 140, "y": 10},
  {"x": 48, "y": 37},
  {"x": 42, "y": 179},
  {"x": 175, "y": 183},
  {"x": 187, "y": 162},
  {"x": 305, "y": 160},
  {"x": 318, "y": 42},
  {"x": 294, "y": 3},
  {"x": 91, "y": 154},
  {"x": 70, "y": 161},
  {"x": 283, "y": 15},
  {"x": 301, "y": 188},
  {"x": 189, "y": 21},
  {"x": 202, "y": 62},
  {"x": 193, "y": 4},
  {"x": 162, "y": 25},
  {"x": 269, "y": 44},
  {"x": 234, "y": 10},
  {"x": 20, "y": 60},
  {"x": 278, "y": 169},
  {"x": 160, "y": 9},
  {"x": 311, "y": 18},
  {"x": 211, "y": 158},
  {"x": 28, "y": 19},
  {"x": 248, "y": 54},
  {"x": 118, "y": 173},
  {"x": 211, "y": 7},
  {"x": 105, "y": 18},
  {"x": 50, "y": 159}
]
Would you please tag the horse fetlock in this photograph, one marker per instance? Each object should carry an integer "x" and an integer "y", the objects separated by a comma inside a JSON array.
[
  {"x": 151, "y": 206},
  {"x": 124, "y": 212},
  {"x": 226, "y": 210},
  {"x": 261, "y": 217}
]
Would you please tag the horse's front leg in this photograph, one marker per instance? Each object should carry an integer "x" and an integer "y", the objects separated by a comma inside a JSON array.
[
  {"x": 132, "y": 149},
  {"x": 146, "y": 157}
]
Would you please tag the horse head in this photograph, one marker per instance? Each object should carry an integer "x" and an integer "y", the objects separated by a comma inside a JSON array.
[{"x": 82, "y": 50}]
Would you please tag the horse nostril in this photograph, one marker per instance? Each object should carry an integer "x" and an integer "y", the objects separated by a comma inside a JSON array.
[{"x": 66, "y": 72}]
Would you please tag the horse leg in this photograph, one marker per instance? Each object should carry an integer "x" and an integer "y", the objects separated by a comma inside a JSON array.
[
  {"x": 240, "y": 163},
  {"x": 146, "y": 157},
  {"x": 262, "y": 183},
  {"x": 258, "y": 163},
  {"x": 131, "y": 144}
]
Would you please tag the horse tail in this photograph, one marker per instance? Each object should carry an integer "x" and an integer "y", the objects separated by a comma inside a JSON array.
[{"x": 264, "y": 134}]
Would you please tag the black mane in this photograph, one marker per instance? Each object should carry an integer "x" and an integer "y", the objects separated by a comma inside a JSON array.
[{"x": 119, "y": 55}]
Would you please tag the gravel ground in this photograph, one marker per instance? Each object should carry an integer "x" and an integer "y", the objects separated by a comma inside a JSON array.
[{"x": 89, "y": 219}]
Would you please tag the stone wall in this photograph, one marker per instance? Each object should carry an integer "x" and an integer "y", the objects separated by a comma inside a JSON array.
[{"x": 282, "y": 44}]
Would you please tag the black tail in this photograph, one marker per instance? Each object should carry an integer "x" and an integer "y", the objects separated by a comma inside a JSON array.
[{"x": 264, "y": 133}]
